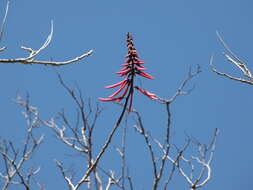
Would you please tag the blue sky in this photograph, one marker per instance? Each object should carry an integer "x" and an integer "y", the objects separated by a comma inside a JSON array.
[{"x": 170, "y": 36}]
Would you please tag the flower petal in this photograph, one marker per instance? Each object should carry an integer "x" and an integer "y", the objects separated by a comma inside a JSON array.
[
  {"x": 147, "y": 93},
  {"x": 145, "y": 75},
  {"x": 140, "y": 68},
  {"x": 123, "y": 72},
  {"x": 117, "y": 84},
  {"x": 119, "y": 90},
  {"x": 140, "y": 62},
  {"x": 126, "y": 64},
  {"x": 124, "y": 93},
  {"x": 131, "y": 66},
  {"x": 108, "y": 99}
]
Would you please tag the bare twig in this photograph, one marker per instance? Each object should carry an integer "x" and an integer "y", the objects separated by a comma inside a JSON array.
[
  {"x": 83, "y": 138},
  {"x": 79, "y": 101},
  {"x": 141, "y": 130},
  {"x": 158, "y": 168},
  {"x": 129, "y": 179},
  {"x": 104, "y": 147},
  {"x": 123, "y": 156},
  {"x": 203, "y": 160},
  {"x": 122, "y": 153},
  {"x": 30, "y": 59},
  {"x": 227, "y": 75},
  {"x": 180, "y": 91},
  {"x": 111, "y": 175},
  {"x": 69, "y": 141},
  {"x": 67, "y": 179},
  {"x": 232, "y": 58},
  {"x": 3, "y": 23},
  {"x": 111, "y": 181},
  {"x": 14, "y": 159}
]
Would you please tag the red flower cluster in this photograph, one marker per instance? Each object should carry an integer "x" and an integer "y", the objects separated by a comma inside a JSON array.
[{"x": 133, "y": 66}]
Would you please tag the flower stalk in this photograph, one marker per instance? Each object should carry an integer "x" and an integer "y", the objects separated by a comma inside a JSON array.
[{"x": 132, "y": 67}]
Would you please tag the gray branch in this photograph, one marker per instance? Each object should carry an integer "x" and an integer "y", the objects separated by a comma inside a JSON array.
[
  {"x": 232, "y": 58},
  {"x": 30, "y": 59}
]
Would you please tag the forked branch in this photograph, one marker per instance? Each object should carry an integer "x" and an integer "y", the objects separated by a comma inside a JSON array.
[
  {"x": 203, "y": 160},
  {"x": 14, "y": 159},
  {"x": 30, "y": 59},
  {"x": 159, "y": 167},
  {"x": 232, "y": 58}
]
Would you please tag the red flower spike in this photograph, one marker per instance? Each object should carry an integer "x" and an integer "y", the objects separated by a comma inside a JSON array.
[{"x": 132, "y": 67}]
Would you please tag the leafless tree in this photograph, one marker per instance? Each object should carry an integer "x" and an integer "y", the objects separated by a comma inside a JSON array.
[
  {"x": 165, "y": 157},
  {"x": 79, "y": 137}
]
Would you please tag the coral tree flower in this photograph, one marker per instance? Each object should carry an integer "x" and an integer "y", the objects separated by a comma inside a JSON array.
[{"x": 133, "y": 66}]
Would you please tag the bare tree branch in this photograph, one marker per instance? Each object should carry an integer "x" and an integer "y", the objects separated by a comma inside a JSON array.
[
  {"x": 141, "y": 130},
  {"x": 180, "y": 91},
  {"x": 30, "y": 59},
  {"x": 14, "y": 159},
  {"x": 67, "y": 179},
  {"x": 111, "y": 177},
  {"x": 129, "y": 179},
  {"x": 203, "y": 160},
  {"x": 104, "y": 147},
  {"x": 83, "y": 137},
  {"x": 232, "y": 58},
  {"x": 123, "y": 156},
  {"x": 3, "y": 23},
  {"x": 81, "y": 140},
  {"x": 158, "y": 168}
]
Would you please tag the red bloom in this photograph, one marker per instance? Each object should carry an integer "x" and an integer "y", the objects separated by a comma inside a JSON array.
[{"x": 133, "y": 66}]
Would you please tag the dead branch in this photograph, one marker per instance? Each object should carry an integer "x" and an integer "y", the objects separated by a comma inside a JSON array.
[
  {"x": 158, "y": 168},
  {"x": 4, "y": 22},
  {"x": 30, "y": 59},
  {"x": 141, "y": 130},
  {"x": 180, "y": 91},
  {"x": 14, "y": 159},
  {"x": 232, "y": 58},
  {"x": 204, "y": 160},
  {"x": 81, "y": 140},
  {"x": 67, "y": 179}
]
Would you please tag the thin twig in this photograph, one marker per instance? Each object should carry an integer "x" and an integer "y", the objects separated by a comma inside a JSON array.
[
  {"x": 14, "y": 159},
  {"x": 140, "y": 128},
  {"x": 232, "y": 58},
  {"x": 32, "y": 53},
  {"x": 227, "y": 75},
  {"x": 67, "y": 179},
  {"x": 106, "y": 144},
  {"x": 4, "y": 22}
]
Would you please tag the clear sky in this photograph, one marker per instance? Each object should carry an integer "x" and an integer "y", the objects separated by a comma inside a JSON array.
[{"x": 170, "y": 37}]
